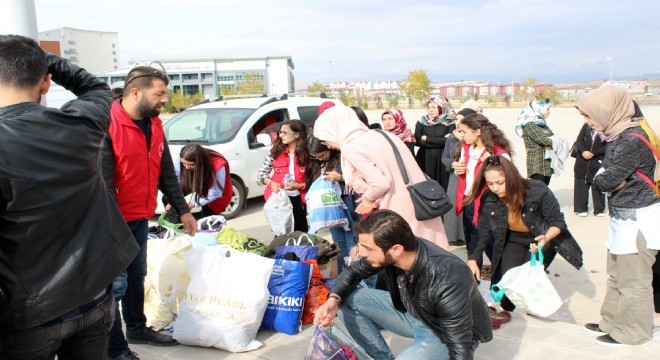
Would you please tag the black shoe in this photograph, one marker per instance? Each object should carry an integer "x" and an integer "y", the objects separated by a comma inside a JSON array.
[
  {"x": 457, "y": 243},
  {"x": 148, "y": 335},
  {"x": 607, "y": 340},
  {"x": 128, "y": 355},
  {"x": 594, "y": 329}
]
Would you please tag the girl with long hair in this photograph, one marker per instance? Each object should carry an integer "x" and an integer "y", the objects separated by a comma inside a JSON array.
[
  {"x": 431, "y": 134},
  {"x": 518, "y": 214},
  {"x": 326, "y": 162},
  {"x": 395, "y": 123},
  {"x": 284, "y": 169},
  {"x": 205, "y": 173},
  {"x": 481, "y": 139}
]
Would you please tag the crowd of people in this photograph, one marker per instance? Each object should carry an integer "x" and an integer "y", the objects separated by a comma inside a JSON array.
[{"x": 78, "y": 186}]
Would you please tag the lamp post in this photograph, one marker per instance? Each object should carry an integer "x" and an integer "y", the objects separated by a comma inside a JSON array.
[{"x": 609, "y": 60}]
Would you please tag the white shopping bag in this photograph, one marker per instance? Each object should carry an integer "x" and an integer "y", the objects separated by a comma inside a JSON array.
[
  {"x": 279, "y": 213},
  {"x": 226, "y": 299},
  {"x": 528, "y": 287}
]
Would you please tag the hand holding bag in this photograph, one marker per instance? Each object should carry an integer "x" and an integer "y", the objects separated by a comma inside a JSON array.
[
  {"x": 528, "y": 287},
  {"x": 429, "y": 198}
]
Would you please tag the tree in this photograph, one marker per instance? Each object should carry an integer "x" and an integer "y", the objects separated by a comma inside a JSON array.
[
  {"x": 252, "y": 83},
  {"x": 177, "y": 101},
  {"x": 347, "y": 98},
  {"x": 316, "y": 86},
  {"x": 528, "y": 91},
  {"x": 417, "y": 85}
]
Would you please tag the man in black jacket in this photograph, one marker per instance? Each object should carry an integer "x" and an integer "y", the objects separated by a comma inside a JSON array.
[
  {"x": 62, "y": 238},
  {"x": 432, "y": 298}
]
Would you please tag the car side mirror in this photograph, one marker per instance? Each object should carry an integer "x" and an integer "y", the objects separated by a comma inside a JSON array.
[{"x": 263, "y": 140}]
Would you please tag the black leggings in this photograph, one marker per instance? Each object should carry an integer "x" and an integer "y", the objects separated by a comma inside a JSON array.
[
  {"x": 299, "y": 214},
  {"x": 515, "y": 253}
]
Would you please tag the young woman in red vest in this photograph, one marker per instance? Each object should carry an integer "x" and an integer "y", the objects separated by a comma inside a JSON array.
[
  {"x": 284, "y": 169},
  {"x": 205, "y": 173}
]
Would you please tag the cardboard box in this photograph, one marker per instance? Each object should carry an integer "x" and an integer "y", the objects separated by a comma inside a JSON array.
[{"x": 331, "y": 269}]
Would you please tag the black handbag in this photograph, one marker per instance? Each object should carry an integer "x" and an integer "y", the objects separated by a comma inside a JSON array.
[
  {"x": 574, "y": 152},
  {"x": 429, "y": 198}
]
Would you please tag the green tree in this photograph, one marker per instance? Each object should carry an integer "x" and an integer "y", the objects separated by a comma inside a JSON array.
[
  {"x": 554, "y": 96},
  {"x": 417, "y": 85},
  {"x": 528, "y": 91},
  {"x": 394, "y": 101},
  {"x": 347, "y": 98},
  {"x": 252, "y": 83},
  {"x": 316, "y": 86},
  {"x": 177, "y": 101}
]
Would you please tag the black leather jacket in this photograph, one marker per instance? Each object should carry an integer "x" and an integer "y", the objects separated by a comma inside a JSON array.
[
  {"x": 540, "y": 211},
  {"x": 62, "y": 238},
  {"x": 442, "y": 289}
]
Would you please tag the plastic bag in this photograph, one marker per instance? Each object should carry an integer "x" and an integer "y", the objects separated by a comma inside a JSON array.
[
  {"x": 208, "y": 229},
  {"x": 528, "y": 287},
  {"x": 316, "y": 295},
  {"x": 279, "y": 213},
  {"x": 332, "y": 343},
  {"x": 303, "y": 247},
  {"x": 226, "y": 299},
  {"x": 287, "y": 286},
  {"x": 239, "y": 241},
  {"x": 324, "y": 206}
]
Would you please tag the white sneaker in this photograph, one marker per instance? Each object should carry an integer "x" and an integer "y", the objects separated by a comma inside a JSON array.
[
  {"x": 583, "y": 214},
  {"x": 601, "y": 214}
]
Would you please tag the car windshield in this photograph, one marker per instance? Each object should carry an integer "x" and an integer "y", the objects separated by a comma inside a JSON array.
[{"x": 205, "y": 125}]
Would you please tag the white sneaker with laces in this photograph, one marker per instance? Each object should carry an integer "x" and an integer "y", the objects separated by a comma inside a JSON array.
[
  {"x": 600, "y": 214},
  {"x": 584, "y": 214}
]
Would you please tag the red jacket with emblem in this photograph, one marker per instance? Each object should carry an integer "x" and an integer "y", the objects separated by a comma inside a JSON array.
[{"x": 281, "y": 168}]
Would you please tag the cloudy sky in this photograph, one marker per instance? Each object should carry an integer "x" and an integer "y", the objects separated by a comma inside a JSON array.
[{"x": 494, "y": 40}]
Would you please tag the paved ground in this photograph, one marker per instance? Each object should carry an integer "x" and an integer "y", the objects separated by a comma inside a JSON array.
[{"x": 525, "y": 337}]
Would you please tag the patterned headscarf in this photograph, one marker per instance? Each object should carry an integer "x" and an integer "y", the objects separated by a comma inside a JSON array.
[
  {"x": 447, "y": 115},
  {"x": 533, "y": 112},
  {"x": 611, "y": 108},
  {"x": 400, "y": 128}
]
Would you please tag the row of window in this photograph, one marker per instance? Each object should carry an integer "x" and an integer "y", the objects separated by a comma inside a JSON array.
[{"x": 235, "y": 77}]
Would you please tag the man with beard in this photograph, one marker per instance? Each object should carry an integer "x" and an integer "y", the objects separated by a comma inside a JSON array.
[
  {"x": 136, "y": 163},
  {"x": 433, "y": 297}
]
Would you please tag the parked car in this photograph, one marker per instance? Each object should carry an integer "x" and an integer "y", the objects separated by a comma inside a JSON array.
[{"x": 238, "y": 129}]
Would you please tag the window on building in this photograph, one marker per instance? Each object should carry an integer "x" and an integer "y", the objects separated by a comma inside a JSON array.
[
  {"x": 207, "y": 76},
  {"x": 114, "y": 60},
  {"x": 176, "y": 88},
  {"x": 72, "y": 42},
  {"x": 114, "y": 53},
  {"x": 173, "y": 77},
  {"x": 113, "y": 46},
  {"x": 190, "y": 76},
  {"x": 190, "y": 89},
  {"x": 115, "y": 79},
  {"x": 73, "y": 59}
]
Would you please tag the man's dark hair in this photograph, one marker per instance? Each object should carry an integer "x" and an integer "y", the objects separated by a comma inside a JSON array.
[
  {"x": 22, "y": 62},
  {"x": 388, "y": 229},
  {"x": 141, "y": 77}
]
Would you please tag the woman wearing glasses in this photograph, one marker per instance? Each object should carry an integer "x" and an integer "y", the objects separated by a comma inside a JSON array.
[
  {"x": 284, "y": 169},
  {"x": 518, "y": 214}
]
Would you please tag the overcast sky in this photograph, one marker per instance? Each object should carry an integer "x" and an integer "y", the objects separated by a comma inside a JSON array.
[{"x": 495, "y": 40}]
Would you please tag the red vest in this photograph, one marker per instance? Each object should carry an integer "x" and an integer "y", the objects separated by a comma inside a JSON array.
[
  {"x": 281, "y": 168},
  {"x": 218, "y": 162},
  {"x": 460, "y": 188},
  {"x": 136, "y": 169}
]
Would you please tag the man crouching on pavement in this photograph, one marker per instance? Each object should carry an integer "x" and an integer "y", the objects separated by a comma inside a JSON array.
[{"x": 433, "y": 297}]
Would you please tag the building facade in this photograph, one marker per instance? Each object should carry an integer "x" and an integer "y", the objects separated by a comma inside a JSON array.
[
  {"x": 93, "y": 50},
  {"x": 214, "y": 77}
]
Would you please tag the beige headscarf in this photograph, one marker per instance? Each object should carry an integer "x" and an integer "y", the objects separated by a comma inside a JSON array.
[
  {"x": 340, "y": 124},
  {"x": 611, "y": 108}
]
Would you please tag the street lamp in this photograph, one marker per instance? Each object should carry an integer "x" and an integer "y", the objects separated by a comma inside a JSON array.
[{"x": 609, "y": 60}]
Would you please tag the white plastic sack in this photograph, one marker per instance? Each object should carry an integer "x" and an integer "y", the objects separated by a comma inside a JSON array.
[
  {"x": 226, "y": 299},
  {"x": 207, "y": 231},
  {"x": 528, "y": 287},
  {"x": 324, "y": 206},
  {"x": 279, "y": 213}
]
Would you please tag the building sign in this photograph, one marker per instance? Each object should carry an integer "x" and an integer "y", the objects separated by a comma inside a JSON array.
[{"x": 190, "y": 66}]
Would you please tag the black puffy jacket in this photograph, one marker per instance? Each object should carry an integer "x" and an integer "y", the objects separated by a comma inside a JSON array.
[
  {"x": 62, "y": 238},
  {"x": 442, "y": 289},
  {"x": 587, "y": 169}
]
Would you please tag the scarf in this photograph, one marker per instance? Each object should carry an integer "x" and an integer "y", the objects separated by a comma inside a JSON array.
[
  {"x": 400, "y": 128},
  {"x": 340, "y": 124},
  {"x": 447, "y": 115},
  {"x": 610, "y": 108},
  {"x": 532, "y": 112}
]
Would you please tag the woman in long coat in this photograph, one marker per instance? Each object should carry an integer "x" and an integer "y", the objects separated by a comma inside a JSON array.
[
  {"x": 371, "y": 170},
  {"x": 431, "y": 134}
]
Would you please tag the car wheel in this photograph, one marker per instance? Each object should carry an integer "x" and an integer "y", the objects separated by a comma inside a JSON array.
[{"x": 237, "y": 201}]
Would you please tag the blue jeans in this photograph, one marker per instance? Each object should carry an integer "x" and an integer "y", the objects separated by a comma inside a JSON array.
[
  {"x": 471, "y": 235},
  {"x": 344, "y": 239},
  {"x": 366, "y": 309},
  {"x": 83, "y": 338},
  {"x": 128, "y": 288}
]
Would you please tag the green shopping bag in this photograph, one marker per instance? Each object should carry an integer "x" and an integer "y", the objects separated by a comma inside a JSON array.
[{"x": 239, "y": 241}]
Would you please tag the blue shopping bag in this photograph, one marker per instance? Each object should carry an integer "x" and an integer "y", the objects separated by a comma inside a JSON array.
[{"x": 325, "y": 207}]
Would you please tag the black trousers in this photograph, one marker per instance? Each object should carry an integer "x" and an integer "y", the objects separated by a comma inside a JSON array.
[
  {"x": 515, "y": 253},
  {"x": 581, "y": 197},
  {"x": 545, "y": 179},
  {"x": 299, "y": 214},
  {"x": 656, "y": 283}
]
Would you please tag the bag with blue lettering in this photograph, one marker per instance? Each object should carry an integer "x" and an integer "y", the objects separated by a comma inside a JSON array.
[
  {"x": 287, "y": 286},
  {"x": 303, "y": 247},
  {"x": 324, "y": 206}
]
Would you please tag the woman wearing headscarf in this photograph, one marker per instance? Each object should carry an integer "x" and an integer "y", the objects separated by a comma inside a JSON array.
[
  {"x": 534, "y": 130},
  {"x": 395, "y": 123},
  {"x": 371, "y": 170},
  {"x": 627, "y": 176},
  {"x": 431, "y": 134}
]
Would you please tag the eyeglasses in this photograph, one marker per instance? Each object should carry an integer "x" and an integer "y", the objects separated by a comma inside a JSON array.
[
  {"x": 494, "y": 160},
  {"x": 322, "y": 156},
  {"x": 157, "y": 73},
  {"x": 287, "y": 132}
]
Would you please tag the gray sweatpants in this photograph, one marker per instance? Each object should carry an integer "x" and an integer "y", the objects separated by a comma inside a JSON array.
[{"x": 627, "y": 311}]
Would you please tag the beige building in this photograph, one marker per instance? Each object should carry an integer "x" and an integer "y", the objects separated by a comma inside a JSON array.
[{"x": 95, "y": 51}]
